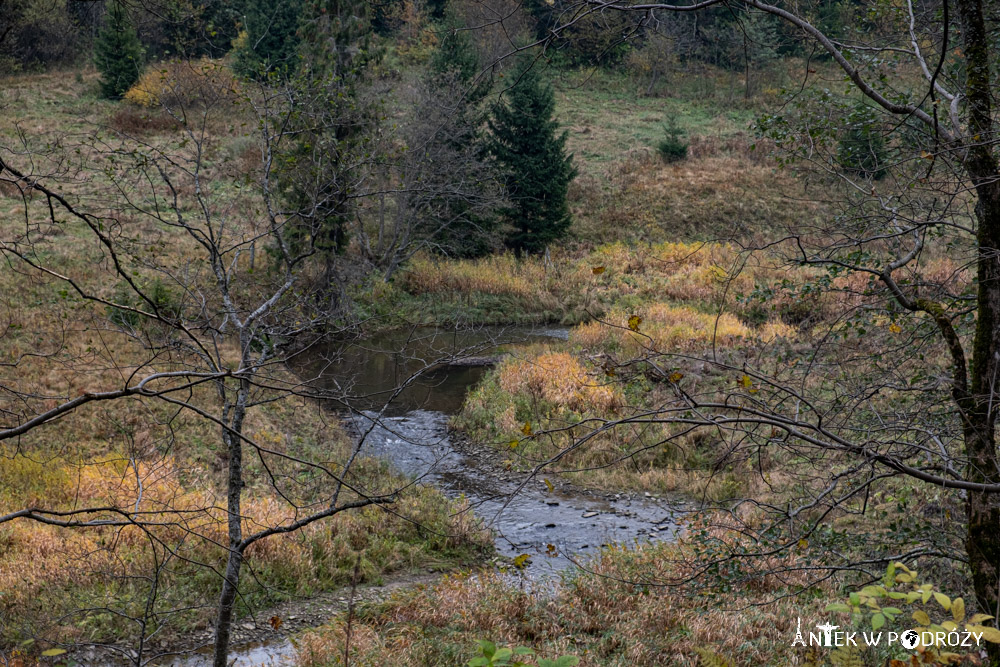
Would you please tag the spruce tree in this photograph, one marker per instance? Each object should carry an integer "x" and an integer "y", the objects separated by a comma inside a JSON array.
[
  {"x": 334, "y": 124},
  {"x": 269, "y": 41},
  {"x": 455, "y": 52},
  {"x": 117, "y": 53},
  {"x": 531, "y": 153}
]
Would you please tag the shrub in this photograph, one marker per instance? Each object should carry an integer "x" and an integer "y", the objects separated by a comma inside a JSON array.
[
  {"x": 183, "y": 85},
  {"x": 671, "y": 147}
]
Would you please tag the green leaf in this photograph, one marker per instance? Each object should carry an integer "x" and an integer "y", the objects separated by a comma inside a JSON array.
[
  {"x": 487, "y": 647},
  {"x": 837, "y": 606},
  {"x": 53, "y": 652},
  {"x": 855, "y": 599},
  {"x": 502, "y": 655},
  {"x": 479, "y": 662},
  {"x": 878, "y": 620}
]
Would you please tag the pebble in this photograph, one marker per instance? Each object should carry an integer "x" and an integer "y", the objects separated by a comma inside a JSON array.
[{"x": 587, "y": 515}]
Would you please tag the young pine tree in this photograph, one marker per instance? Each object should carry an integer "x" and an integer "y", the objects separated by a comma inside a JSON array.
[
  {"x": 117, "y": 53},
  {"x": 531, "y": 154}
]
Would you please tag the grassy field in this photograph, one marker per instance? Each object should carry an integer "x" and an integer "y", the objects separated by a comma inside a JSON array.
[
  {"x": 655, "y": 267},
  {"x": 656, "y": 270},
  {"x": 143, "y": 453}
]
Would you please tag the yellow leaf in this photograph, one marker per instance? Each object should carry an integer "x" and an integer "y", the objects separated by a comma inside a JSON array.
[
  {"x": 991, "y": 635},
  {"x": 526, "y": 429},
  {"x": 925, "y": 155},
  {"x": 895, "y": 328},
  {"x": 958, "y": 610},
  {"x": 676, "y": 377},
  {"x": 746, "y": 382},
  {"x": 548, "y": 485},
  {"x": 943, "y": 600},
  {"x": 597, "y": 270},
  {"x": 521, "y": 561},
  {"x": 979, "y": 618},
  {"x": 921, "y": 617},
  {"x": 550, "y": 549},
  {"x": 53, "y": 652},
  {"x": 634, "y": 322}
]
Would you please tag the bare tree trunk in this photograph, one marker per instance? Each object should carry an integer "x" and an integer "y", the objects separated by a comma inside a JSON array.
[
  {"x": 234, "y": 562},
  {"x": 224, "y": 617},
  {"x": 983, "y": 509}
]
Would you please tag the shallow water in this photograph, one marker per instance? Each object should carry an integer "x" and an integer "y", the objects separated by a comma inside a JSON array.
[
  {"x": 554, "y": 528},
  {"x": 527, "y": 519}
]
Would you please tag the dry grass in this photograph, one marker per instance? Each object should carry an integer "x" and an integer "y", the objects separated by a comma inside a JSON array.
[
  {"x": 499, "y": 274},
  {"x": 560, "y": 379},
  {"x": 144, "y": 454},
  {"x": 620, "y": 613}
]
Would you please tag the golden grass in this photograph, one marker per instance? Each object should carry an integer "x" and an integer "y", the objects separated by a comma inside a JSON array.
[
  {"x": 498, "y": 274},
  {"x": 558, "y": 378}
]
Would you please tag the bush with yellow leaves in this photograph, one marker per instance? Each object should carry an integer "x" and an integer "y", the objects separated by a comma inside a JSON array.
[{"x": 184, "y": 84}]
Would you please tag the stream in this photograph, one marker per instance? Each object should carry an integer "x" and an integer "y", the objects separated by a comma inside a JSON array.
[{"x": 553, "y": 527}]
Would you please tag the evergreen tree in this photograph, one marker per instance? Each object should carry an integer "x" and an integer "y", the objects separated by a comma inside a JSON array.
[
  {"x": 269, "y": 42},
  {"x": 455, "y": 52},
  {"x": 334, "y": 124},
  {"x": 437, "y": 8},
  {"x": 117, "y": 53},
  {"x": 531, "y": 154},
  {"x": 862, "y": 150}
]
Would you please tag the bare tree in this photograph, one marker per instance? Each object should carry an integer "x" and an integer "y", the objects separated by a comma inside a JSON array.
[
  {"x": 914, "y": 396},
  {"x": 439, "y": 190},
  {"x": 201, "y": 295}
]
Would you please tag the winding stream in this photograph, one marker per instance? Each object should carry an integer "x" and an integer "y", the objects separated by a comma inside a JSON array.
[{"x": 553, "y": 527}]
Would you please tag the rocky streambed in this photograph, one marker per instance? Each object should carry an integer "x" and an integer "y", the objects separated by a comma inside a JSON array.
[{"x": 554, "y": 527}]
